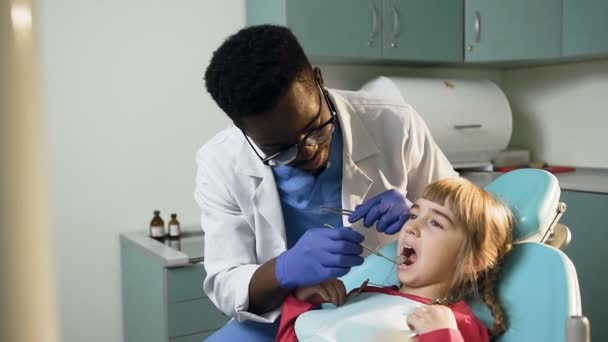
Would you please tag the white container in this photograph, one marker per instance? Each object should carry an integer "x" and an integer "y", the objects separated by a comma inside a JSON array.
[{"x": 469, "y": 119}]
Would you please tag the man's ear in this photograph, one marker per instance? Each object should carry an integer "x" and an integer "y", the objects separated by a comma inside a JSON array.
[{"x": 318, "y": 76}]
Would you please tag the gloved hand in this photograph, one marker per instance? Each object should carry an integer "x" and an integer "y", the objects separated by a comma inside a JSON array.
[
  {"x": 391, "y": 209},
  {"x": 320, "y": 254}
]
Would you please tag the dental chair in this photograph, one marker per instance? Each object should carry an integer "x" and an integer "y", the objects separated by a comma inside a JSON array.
[{"x": 538, "y": 286}]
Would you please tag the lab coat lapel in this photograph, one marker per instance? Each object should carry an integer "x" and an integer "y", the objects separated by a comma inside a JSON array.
[
  {"x": 355, "y": 182},
  {"x": 267, "y": 202},
  {"x": 265, "y": 198}
]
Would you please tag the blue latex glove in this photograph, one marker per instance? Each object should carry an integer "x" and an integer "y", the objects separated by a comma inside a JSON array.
[
  {"x": 319, "y": 255},
  {"x": 390, "y": 209}
]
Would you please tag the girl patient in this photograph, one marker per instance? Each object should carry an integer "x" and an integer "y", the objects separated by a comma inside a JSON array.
[{"x": 451, "y": 248}]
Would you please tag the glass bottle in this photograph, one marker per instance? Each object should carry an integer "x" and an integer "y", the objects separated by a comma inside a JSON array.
[
  {"x": 157, "y": 226},
  {"x": 174, "y": 229}
]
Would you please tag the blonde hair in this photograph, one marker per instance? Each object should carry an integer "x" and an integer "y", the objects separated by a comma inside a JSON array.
[{"x": 488, "y": 226}]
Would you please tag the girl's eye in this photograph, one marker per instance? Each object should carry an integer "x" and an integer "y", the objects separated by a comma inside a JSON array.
[
  {"x": 412, "y": 216},
  {"x": 436, "y": 224}
]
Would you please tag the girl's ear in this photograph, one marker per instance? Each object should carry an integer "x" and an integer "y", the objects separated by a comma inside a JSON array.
[{"x": 482, "y": 264}]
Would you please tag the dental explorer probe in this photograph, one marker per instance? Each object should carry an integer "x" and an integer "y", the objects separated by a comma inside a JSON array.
[{"x": 370, "y": 249}]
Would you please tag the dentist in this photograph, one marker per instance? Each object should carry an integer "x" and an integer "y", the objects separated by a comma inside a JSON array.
[{"x": 295, "y": 146}]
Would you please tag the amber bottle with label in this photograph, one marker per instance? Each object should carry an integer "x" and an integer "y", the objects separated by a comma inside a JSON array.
[
  {"x": 157, "y": 226},
  {"x": 174, "y": 229}
]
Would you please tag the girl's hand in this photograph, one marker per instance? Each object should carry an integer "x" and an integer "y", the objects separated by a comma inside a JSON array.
[
  {"x": 430, "y": 318},
  {"x": 330, "y": 291}
]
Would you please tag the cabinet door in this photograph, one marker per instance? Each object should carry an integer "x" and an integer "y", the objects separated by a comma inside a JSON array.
[
  {"x": 585, "y": 27},
  {"x": 428, "y": 31},
  {"x": 337, "y": 28},
  {"x": 587, "y": 217},
  {"x": 498, "y": 30}
]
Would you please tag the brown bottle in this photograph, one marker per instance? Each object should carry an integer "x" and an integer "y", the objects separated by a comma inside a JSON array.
[
  {"x": 157, "y": 226},
  {"x": 174, "y": 229}
]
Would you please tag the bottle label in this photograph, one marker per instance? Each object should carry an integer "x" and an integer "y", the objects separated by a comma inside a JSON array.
[
  {"x": 157, "y": 231},
  {"x": 173, "y": 230}
]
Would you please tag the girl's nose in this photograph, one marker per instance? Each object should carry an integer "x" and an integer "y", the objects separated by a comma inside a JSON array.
[{"x": 411, "y": 228}]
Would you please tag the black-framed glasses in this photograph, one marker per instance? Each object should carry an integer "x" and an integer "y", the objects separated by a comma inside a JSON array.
[{"x": 315, "y": 137}]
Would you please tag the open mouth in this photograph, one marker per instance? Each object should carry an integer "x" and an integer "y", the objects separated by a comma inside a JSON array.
[{"x": 408, "y": 255}]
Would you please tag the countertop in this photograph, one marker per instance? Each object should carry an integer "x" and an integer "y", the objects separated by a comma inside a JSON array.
[
  {"x": 583, "y": 179},
  {"x": 185, "y": 250}
]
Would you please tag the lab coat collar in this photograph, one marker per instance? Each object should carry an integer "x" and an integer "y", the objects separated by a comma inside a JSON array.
[
  {"x": 249, "y": 163},
  {"x": 351, "y": 125}
]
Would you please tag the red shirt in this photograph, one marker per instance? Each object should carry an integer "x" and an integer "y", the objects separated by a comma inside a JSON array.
[{"x": 470, "y": 329}]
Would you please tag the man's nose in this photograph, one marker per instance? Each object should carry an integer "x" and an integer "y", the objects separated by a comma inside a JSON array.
[{"x": 306, "y": 152}]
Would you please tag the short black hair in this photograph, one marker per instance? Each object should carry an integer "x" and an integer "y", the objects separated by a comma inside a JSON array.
[{"x": 254, "y": 68}]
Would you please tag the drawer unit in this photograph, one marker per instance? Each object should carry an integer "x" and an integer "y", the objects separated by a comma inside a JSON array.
[
  {"x": 185, "y": 283},
  {"x": 194, "y": 316},
  {"x": 162, "y": 292}
]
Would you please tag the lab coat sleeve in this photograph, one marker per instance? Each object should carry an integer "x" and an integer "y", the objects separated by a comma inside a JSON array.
[
  {"x": 425, "y": 162},
  {"x": 230, "y": 258}
]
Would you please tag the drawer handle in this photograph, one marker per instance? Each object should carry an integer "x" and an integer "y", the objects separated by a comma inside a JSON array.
[
  {"x": 477, "y": 27},
  {"x": 467, "y": 126},
  {"x": 374, "y": 23},
  {"x": 395, "y": 25}
]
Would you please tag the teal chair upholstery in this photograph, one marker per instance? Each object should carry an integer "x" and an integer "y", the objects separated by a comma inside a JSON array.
[{"x": 538, "y": 287}]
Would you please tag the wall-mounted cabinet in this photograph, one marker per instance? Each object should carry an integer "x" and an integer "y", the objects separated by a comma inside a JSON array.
[
  {"x": 450, "y": 31},
  {"x": 585, "y": 28},
  {"x": 514, "y": 30},
  {"x": 428, "y": 31},
  {"x": 407, "y": 30}
]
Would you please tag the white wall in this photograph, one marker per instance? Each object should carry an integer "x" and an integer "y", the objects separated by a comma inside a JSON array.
[
  {"x": 352, "y": 76},
  {"x": 561, "y": 112},
  {"x": 125, "y": 110}
]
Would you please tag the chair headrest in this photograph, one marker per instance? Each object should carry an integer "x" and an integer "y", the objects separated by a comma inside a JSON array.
[{"x": 533, "y": 196}]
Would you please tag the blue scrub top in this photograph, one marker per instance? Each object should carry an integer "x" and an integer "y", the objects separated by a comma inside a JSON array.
[{"x": 302, "y": 194}]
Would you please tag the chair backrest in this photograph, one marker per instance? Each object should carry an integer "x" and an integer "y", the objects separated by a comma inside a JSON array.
[{"x": 538, "y": 286}]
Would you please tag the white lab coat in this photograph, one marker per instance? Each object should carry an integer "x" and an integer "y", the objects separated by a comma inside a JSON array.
[{"x": 386, "y": 145}]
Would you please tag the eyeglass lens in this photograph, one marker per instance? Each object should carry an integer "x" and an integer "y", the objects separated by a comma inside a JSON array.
[{"x": 316, "y": 138}]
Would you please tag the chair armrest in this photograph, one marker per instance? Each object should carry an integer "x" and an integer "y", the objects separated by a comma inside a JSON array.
[{"x": 577, "y": 329}]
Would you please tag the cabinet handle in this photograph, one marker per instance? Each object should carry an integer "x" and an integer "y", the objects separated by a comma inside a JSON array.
[
  {"x": 374, "y": 22},
  {"x": 467, "y": 126},
  {"x": 477, "y": 27},
  {"x": 395, "y": 25}
]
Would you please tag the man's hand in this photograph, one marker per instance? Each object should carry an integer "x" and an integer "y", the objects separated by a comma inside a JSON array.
[
  {"x": 390, "y": 209},
  {"x": 319, "y": 255}
]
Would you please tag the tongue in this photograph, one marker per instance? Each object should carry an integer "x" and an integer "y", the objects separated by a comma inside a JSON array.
[{"x": 411, "y": 259}]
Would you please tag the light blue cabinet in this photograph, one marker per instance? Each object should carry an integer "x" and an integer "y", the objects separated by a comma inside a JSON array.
[
  {"x": 469, "y": 31},
  {"x": 337, "y": 28},
  {"x": 587, "y": 217},
  {"x": 428, "y": 31},
  {"x": 513, "y": 30},
  {"x": 585, "y": 28},
  {"x": 407, "y": 30},
  {"x": 163, "y": 298}
]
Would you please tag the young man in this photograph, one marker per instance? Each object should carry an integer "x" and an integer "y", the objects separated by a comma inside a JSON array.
[{"x": 296, "y": 146}]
